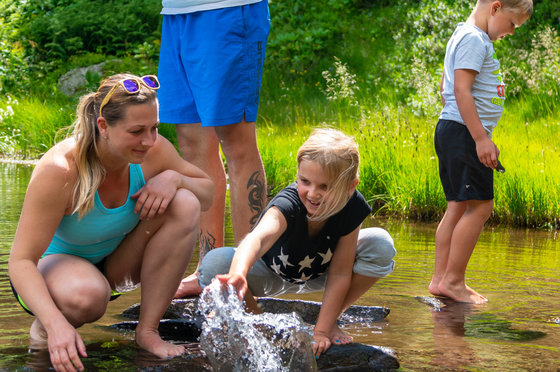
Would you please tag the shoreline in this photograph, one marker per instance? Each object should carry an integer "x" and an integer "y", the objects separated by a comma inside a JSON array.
[{"x": 19, "y": 161}]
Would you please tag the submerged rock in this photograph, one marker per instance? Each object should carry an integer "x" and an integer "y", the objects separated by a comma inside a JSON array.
[{"x": 183, "y": 323}]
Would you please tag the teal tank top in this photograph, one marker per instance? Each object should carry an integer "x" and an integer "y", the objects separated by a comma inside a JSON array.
[{"x": 101, "y": 230}]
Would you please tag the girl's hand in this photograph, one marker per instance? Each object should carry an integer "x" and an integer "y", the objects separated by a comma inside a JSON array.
[
  {"x": 321, "y": 343},
  {"x": 238, "y": 281},
  {"x": 155, "y": 195},
  {"x": 64, "y": 345}
]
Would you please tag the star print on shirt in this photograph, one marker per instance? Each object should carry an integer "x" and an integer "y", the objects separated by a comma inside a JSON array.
[
  {"x": 276, "y": 268},
  {"x": 284, "y": 258},
  {"x": 304, "y": 278},
  {"x": 326, "y": 257},
  {"x": 306, "y": 262}
]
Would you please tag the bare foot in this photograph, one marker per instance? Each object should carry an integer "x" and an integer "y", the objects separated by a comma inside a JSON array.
[
  {"x": 37, "y": 333},
  {"x": 461, "y": 293},
  {"x": 151, "y": 341},
  {"x": 189, "y": 287},
  {"x": 433, "y": 288},
  {"x": 339, "y": 337}
]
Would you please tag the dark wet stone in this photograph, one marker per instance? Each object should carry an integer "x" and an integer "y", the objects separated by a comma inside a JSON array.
[
  {"x": 183, "y": 323},
  {"x": 309, "y": 310},
  {"x": 358, "y": 357},
  {"x": 170, "y": 329}
]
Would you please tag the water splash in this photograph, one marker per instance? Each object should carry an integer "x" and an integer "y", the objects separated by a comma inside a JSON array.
[
  {"x": 434, "y": 302},
  {"x": 236, "y": 341}
]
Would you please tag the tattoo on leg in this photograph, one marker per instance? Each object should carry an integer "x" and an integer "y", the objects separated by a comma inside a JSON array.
[
  {"x": 206, "y": 243},
  {"x": 256, "y": 193}
]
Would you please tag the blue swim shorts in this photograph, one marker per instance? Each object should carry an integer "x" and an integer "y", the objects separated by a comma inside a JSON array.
[{"x": 210, "y": 66}]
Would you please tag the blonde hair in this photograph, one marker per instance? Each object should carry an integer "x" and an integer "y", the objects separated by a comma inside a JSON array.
[
  {"x": 338, "y": 156},
  {"x": 86, "y": 135},
  {"x": 517, "y": 6}
]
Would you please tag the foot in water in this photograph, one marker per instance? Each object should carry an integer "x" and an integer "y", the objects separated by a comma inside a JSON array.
[
  {"x": 151, "y": 341},
  {"x": 461, "y": 293},
  {"x": 189, "y": 287},
  {"x": 37, "y": 333},
  {"x": 339, "y": 337}
]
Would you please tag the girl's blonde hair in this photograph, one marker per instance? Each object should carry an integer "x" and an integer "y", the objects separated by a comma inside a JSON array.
[
  {"x": 338, "y": 156},
  {"x": 86, "y": 134}
]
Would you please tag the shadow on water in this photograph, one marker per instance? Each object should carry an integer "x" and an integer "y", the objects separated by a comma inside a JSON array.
[{"x": 518, "y": 329}]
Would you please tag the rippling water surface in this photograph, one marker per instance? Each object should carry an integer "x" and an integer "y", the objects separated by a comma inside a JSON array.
[{"x": 518, "y": 329}]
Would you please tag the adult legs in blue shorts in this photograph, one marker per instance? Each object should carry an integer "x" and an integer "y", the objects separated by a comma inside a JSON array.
[{"x": 210, "y": 72}]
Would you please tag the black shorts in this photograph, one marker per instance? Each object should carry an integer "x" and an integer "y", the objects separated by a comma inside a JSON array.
[
  {"x": 100, "y": 265},
  {"x": 462, "y": 175}
]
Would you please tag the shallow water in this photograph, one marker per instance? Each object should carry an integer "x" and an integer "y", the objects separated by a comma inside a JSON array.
[{"x": 518, "y": 329}]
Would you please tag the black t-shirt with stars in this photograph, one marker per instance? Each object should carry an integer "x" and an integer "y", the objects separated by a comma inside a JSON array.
[{"x": 295, "y": 256}]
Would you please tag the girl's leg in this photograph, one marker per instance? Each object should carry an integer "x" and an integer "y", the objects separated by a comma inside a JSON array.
[
  {"x": 156, "y": 254},
  {"x": 78, "y": 288},
  {"x": 374, "y": 259},
  {"x": 444, "y": 232},
  {"x": 463, "y": 241}
]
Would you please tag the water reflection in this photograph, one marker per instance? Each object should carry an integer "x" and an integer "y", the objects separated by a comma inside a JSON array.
[{"x": 516, "y": 269}]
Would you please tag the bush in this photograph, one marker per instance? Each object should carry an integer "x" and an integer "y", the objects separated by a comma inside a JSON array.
[{"x": 60, "y": 29}]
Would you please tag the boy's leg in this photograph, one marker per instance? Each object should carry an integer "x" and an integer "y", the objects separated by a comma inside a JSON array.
[
  {"x": 199, "y": 146},
  {"x": 444, "y": 233},
  {"x": 463, "y": 241}
]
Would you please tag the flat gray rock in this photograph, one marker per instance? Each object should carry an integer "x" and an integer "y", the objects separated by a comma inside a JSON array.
[{"x": 182, "y": 323}]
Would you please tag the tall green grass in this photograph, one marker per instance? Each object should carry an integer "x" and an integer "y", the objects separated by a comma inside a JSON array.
[{"x": 399, "y": 168}]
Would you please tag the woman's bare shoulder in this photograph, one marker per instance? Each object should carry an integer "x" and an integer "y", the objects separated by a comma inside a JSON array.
[{"x": 58, "y": 164}]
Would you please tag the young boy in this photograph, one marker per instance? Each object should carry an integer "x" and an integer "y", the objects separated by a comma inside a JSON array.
[{"x": 473, "y": 95}]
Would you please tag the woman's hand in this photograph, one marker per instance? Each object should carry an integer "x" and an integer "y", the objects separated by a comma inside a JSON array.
[
  {"x": 238, "y": 281},
  {"x": 321, "y": 343},
  {"x": 154, "y": 197},
  {"x": 65, "y": 348}
]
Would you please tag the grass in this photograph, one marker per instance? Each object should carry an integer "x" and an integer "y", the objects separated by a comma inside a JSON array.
[{"x": 399, "y": 168}]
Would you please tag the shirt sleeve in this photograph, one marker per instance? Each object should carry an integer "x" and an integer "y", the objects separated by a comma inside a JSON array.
[
  {"x": 470, "y": 53},
  {"x": 353, "y": 214}
]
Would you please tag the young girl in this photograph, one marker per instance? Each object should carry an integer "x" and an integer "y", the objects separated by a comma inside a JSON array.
[
  {"x": 112, "y": 206},
  {"x": 309, "y": 239}
]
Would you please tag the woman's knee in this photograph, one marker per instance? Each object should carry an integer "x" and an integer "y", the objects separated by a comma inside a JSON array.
[
  {"x": 216, "y": 262},
  {"x": 184, "y": 209},
  {"x": 375, "y": 252},
  {"x": 82, "y": 301}
]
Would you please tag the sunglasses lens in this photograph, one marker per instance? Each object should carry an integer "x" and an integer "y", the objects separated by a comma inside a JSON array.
[
  {"x": 131, "y": 86},
  {"x": 151, "y": 82}
]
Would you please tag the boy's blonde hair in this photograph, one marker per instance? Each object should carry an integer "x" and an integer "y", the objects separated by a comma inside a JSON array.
[
  {"x": 517, "y": 6},
  {"x": 338, "y": 156}
]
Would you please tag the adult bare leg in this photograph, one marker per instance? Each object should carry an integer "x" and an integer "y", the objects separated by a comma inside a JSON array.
[
  {"x": 247, "y": 180},
  {"x": 444, "y": 233},
  {"x": 77, "y": 287},
  {"x": 156, "y": 254},
  {"x": 199, "y": 146},
  {"x": 463, "y": 241}
]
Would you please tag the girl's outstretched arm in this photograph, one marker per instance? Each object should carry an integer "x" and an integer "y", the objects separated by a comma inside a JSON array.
[
  {"x": 338, "y": 284},
  {"x": 267, "y": 231}
]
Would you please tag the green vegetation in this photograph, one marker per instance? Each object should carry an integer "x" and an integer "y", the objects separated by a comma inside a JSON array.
[{"x": 368, "y": 67}]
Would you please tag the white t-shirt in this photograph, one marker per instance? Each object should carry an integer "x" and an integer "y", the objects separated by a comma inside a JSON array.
[
  {"x": 471, "y": 48},
  {"x": 190, "y": 6}
]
